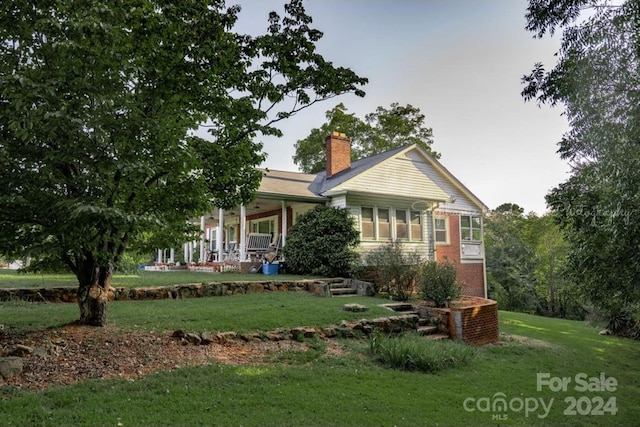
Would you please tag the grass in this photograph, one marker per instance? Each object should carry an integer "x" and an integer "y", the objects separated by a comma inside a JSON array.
[
  {"x": 241, "y": 313},
  {"x": 14, "y": 279},
  {"x": 351, "y": 390}
]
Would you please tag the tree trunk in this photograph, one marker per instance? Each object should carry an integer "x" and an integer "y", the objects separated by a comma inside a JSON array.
[{"x": 94, "y": 283}]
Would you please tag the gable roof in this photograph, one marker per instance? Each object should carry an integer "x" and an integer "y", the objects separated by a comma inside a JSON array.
[{"x": 318, "y": 187}]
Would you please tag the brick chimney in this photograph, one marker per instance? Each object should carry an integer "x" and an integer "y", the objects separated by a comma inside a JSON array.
[{"x": 338, "y": 152}]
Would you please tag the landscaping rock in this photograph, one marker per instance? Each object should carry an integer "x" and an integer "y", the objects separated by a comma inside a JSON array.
[
  {"x": 248, "y": 337},
  {"x": 20, "y": 350},
  {"x": 223, "y": 337},
  {"x": 356, "y": 308},
  {"x": 179, "y": 333},
  {"x": 329, "y": 332},
  {"x": 193, "y": 338},
  {"x": 10, "y": 367},
  {"x": 207, "y": 338}
]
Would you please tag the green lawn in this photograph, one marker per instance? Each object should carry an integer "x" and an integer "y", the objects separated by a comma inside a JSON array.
[
  {"x": 350, "y": 390},
  {"x": 14, "y": 279}
]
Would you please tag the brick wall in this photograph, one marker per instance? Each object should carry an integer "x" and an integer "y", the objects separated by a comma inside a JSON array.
[
  {"x": 470, "y": 275},
  {"x": 477, "y": 319}
]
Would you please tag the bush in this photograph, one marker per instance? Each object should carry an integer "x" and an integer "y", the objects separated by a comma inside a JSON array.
[
  {"x": 130, "y": 263},
  {"x": 322, "y": 242},
  {"x": 396, "y": 270},
  {"x": 412, "y": 352},
  {"x": 438, "y": 282}
]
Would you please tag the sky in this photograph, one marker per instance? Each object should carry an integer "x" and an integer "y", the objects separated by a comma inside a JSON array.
[{"x": 460, "y": 62}]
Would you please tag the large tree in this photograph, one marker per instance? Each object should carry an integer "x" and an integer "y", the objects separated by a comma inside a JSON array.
[
  {"x": 382, "y": 130},
  {"x": 597, "y": 80},
  {"x": 99, "y": 104}
]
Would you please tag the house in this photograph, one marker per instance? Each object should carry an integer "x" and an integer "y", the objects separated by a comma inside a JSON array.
[{"x": 403, "y": 194}]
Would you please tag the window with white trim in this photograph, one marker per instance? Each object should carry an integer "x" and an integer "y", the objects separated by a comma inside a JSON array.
[
  {"x": 264, "y": 225},
  {"x": 384, "y": 224},
  {"x": 402, "y": 228},
  {"x": 471, "y": 236},
  {"x": 416, "y": 225},
  {"x": 366, "y": 215},
  {"x": 470, "y": 228},
  {"x": 441, "y": 229}
]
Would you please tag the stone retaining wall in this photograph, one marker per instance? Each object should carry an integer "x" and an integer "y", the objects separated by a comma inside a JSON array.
[{"x": 193, "y": 290}]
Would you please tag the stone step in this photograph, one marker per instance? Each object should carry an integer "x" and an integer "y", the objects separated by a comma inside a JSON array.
[
  {"x": 343, "y": 291},
  {"x": 437, "y": 337},
  {"x": 400, "y": 306},
  {"x": 423, "y": 322},
  {"x": 427, "y": 330}
]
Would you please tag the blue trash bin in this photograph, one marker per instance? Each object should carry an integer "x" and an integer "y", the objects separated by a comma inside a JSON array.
[{"x": 270, "y": 268}]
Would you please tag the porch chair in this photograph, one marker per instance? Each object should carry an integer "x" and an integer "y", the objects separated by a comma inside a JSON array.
[
  {"x": 231, "y": 253},
  {"x": 258, "y": 244}
]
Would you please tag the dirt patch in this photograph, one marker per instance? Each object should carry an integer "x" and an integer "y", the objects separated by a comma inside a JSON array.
[
  {"x": 528, "y": 341},
  {"x": 75, "y": 353}
]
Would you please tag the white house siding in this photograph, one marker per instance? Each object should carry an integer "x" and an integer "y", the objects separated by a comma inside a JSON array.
[
  {"x": 424, "y": 247},
  {"x": 339, "y": 201},
  {"x": 397, "y": 177},
  {"x": 462, "y": 202}
]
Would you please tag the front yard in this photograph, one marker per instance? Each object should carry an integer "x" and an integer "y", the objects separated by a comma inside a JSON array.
[{"x": 312, "y": 382}]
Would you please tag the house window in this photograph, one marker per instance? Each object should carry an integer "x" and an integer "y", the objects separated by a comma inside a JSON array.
[
  {"x": 375, "y": 223},
  {"x": 265, "y": 225},
  {"x": 367, "y": 223},
  {"x": 441, "y": 230},
  {"x": 402, "y": 228},
  {"x": 416, "y": 225},
  {"x": 384, "y": 224},
  {"x": 470, "y": 228},
  {"x": 471, "y": 235}
]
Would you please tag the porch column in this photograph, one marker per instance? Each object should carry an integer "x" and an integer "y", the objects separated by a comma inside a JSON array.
[
  {"x": 159, "y": 260},
  {"x": 243, "y": 237},
  {"x": 220, "y": 234},
  {"x": 203, "y": 257},
  {"x": 172, "y": 256},
  {"x": 283, "y": 231}
]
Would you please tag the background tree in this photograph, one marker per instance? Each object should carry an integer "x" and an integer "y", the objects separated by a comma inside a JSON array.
[
  {"x": 526, "y": 264},
  {"x": 596, "y": 79},
  {"x": 380, "y": 131},
  {"x": 310, "y": 152},
  {"x": 99, "y": 102},
  {"x": 510, "y": 260},
  {"x": 322, "y": 242}
]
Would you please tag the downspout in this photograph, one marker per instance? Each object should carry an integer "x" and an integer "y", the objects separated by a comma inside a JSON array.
[
  {"x": 434, "y": 206},
  {"x": 484, "y": 259}
]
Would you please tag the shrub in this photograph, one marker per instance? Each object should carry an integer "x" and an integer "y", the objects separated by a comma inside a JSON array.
[
  {"x": 396, "y": 270},
  {"x": 322, "y": 242},
  {"x": 438, "y": 282},
  {"x": 623, "y": 322},
  {"x": 130, "y": 263},
  {"x": 412, "y": 352}
]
